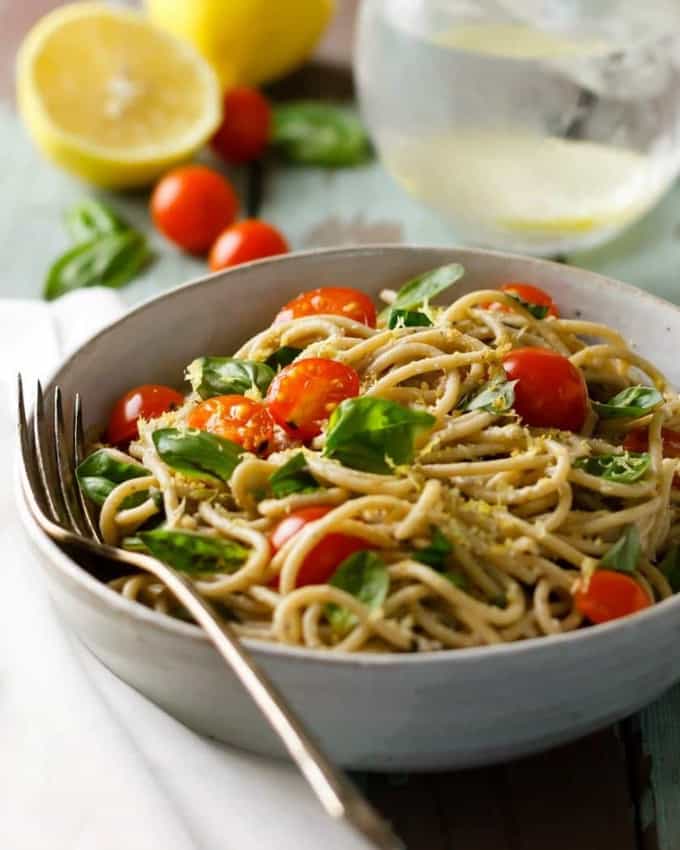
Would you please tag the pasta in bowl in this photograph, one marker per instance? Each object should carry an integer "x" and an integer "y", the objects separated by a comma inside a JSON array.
[{"x": 426, "y": 478}]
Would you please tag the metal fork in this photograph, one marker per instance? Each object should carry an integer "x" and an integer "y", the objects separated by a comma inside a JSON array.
[{"x": 50, "y": 458}]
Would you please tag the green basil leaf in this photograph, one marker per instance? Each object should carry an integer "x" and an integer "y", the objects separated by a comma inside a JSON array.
[
  {"x": 670, "y": 567},
  {"x": 110, "y": 260},
  {"x": 89, "y": 219},
  {"x": 495, "y": 397},
  {"x": 197, "y": 454},
  {"x": 365, "y": 576},
  {"x": 437, "y": 553},
  {"x": 408, "y": 319},
  {"x": 374, "y": 434},
  {"x": 101, "y": 472},
  {"x": 625, "y": 553},
  {"x": 626, "y": 468},
  {"x": 457, "y": 579},
  {"x": 538, "y": 311},
  {"x": 629, "y": 403},
  {"x": 283, "y": 357},
  {"x": 313, "y": 133},
  {"x": 293, "y": 477},
  {"x": 212, "y": 376},
  {"x": 189, "y": 552},
  {"x": 424, "y": 288}
]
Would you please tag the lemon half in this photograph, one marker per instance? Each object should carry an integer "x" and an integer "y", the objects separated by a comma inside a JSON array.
[{"x": 111, "y": 98}]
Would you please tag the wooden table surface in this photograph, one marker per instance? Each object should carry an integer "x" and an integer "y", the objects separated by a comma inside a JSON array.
[{"x": 616, "y": 790}]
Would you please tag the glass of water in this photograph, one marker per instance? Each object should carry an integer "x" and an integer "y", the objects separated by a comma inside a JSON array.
[{"x": 541, "y": 126}]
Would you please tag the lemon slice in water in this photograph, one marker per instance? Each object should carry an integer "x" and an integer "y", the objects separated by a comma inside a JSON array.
[{"x": 109, "y": 97}]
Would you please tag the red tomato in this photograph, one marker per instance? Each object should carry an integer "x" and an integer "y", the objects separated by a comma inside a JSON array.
[
  {"x": 332, "y": 300},
  {"x": 192, "y": 205},
  {"x": 550, "y": 392},
  {"x": 611, "y": 595},
  {"x": 235, "y": 418},
  {"x": 303, "y": 395},
  {"x": 147, "y": 402},
  {"x": 244, "y": 132},
  {"x": 246, "y": 240},
  {"x": 324, "y": 559},
  {"x": 528, "y": 293},
  {"x": 638, "y": 441}
]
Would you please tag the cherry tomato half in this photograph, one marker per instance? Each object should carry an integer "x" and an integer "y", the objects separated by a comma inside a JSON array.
[
  {"x": 147, "y": 402},
  {"x": 550, "y": 392},
  {"x": 332, "y": 300},
  {"x": 192, "y": 205},
  {"x": 530, "y": 294},
  {"x": 245, "y": 129},
  {"x": 611, "y": 595},
  {"x": 638, "y": 441},
  {"x": 244, "y": 241},
  {"x": 235, "y": 418},
  {"x": 303, "y": 395},
  {"x": 324, "y": 559}
]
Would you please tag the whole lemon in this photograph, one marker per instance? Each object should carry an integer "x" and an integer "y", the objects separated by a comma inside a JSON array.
[{"x": 246, "y": 41}]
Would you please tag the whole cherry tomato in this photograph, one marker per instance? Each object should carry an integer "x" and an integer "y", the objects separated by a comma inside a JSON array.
[
  {"x": 192, "y": 205},
  {"x": 235, "y": 418},
  {"x": 331, "y": 300},
  {"x": 611, "y": 595},
  {"x": 244, "y": 241},
  {"x": 245, "y": 129},
  {"x": 531, "y": 295},
  {"x": 303, "y": 395},
  {"x": 550, "y": 390},
  {"x": 147, "y": 401},
  {"x": 324, "y": 559}
]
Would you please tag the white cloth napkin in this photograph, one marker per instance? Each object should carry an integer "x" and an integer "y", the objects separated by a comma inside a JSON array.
[{"x": 85, "y": 761}]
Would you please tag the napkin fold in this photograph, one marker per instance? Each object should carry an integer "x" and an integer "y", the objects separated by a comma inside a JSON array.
[{"x": 85, "y": 761}]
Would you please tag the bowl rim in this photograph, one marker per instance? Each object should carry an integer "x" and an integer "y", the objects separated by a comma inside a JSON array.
[{"x": 166, "y": 624}]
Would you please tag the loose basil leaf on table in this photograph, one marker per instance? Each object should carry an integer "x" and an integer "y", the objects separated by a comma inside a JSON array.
[
  {"x": 213, "y": 376},
  {"x": 408, "y": 319},
  {"x": 424, "y": 288},
  {"x": 189, "y": 552},
  {"x": 538, "y": 311},
  {"x": 629, "y": 403},
  {"x": 374, "y": 434},
  {"x": 670, "y": 567},
  {"x": 363, "y": 575},
  {"x": 437, "y": 552},
  {"x": 283, "y": 357},
  {"x": 312, "y": 133},
  {"x": 89, "y": 219},
  {"x": 197, "y": 454},
  {"x": 110, "y": 260},
  {"x": 624, "y": 468},
  {"x": 624, "y": 555},
  {"x": 101, "y": 472},
  {"x": 495, "y": 397},
  {"x": 293, "y": 477}
]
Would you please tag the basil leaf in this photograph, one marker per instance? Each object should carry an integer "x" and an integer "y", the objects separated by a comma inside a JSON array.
[
  {"x": 88, "y": 219},
  {"x": 313, "y": 133},
  {"x": 197, "y": 454},
  {"x": 293, "y": 477},
  {"x": 629, "y": 403},
  {"x": 407, "y": 319},
  {"x": 538, "y": 311},
  {"x": 283, "y": 357},
  {"x": 495, "y": 397},
  {"x": 110, "y": 260},
  {"x": 374, "y": 434},
  {"x": 437, "y": 553},
  {"x": 625, "y": 553},
  {"x": 457, "y": 579},
  {"x": 189, "y": 552},
  {"x": 365, "y": 576},
  {"x": 670, "y": 567},
  {"x": 626, "y": 468},
  {"x": 101, "y": 472},
  {"x": 212, "y": 376},
  {"x": 425, "y": 287}
]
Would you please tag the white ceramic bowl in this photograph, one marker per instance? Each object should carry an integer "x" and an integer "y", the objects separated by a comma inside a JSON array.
[{"x": 406, "y": 712}]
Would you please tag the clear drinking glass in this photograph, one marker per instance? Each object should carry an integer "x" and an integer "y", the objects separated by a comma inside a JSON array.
[{"x": 541, "y": 126}]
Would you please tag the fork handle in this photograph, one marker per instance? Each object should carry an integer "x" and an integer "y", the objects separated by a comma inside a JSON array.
[{"x": 337, "y": 794}]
